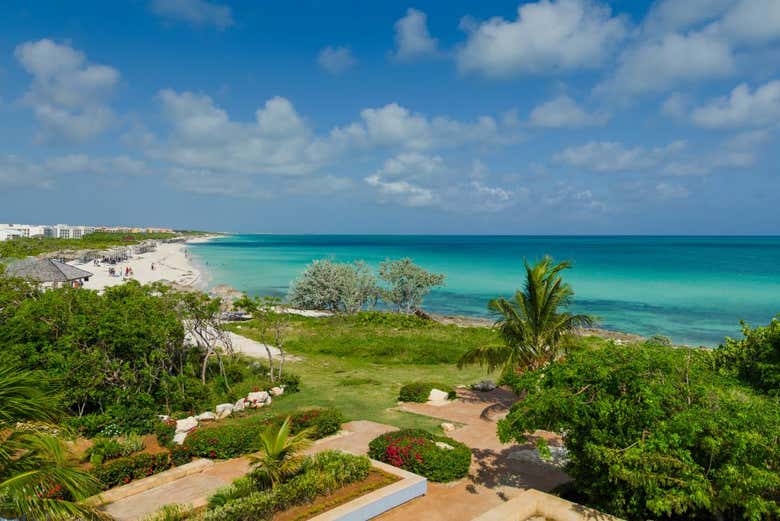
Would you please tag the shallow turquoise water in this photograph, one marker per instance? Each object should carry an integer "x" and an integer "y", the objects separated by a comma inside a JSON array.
[{"x": 692, "y": 289}]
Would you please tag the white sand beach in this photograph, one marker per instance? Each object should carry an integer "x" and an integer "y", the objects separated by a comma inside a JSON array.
[{"x": 170, "y": 260}]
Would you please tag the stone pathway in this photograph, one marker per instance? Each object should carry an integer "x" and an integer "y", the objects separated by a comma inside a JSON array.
[{"x": 495, "y": 476}]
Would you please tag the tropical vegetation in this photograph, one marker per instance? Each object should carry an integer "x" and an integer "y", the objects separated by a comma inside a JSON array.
[
  {"x": 37, "y": 477},
  {"x": 656, "y": 432},
  {"x": 22, "y": 247},
  {"x": 531, "y": 325},
  {"x": 438, "y": 458}
]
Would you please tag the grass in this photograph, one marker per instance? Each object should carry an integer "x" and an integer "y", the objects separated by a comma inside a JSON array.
[{"x": 359, "y": 363}]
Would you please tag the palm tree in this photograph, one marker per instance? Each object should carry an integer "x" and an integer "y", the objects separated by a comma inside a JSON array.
[
  {"x": 278, "y": 458},
  {"x": 37, "y": 480},
  {"x": 532, "y": 323}
]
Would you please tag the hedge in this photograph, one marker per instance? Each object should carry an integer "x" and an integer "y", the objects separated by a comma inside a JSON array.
[
  {"x": 124, "y": 470},
  {"x": 320, "y": 475},
  {"x": 236, "y": 437},
  {"x": 415, "y": 450},
  {"x": 419, "y": 391}
]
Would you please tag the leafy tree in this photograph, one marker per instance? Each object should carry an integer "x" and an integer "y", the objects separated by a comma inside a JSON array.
[
  {"x": 754, "y": 359},
  {"x": 36, "y": 478},
  {"x": 336, "y": 287},
  {"x": 532, "y": 323},
  {"x": 279, "y": 456},
  {"x": 407, "y": 284},
  {"x": 654, "y": 432}
]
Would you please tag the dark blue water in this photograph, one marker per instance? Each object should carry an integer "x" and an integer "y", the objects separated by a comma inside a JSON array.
[{"x": 692, "y": 289}]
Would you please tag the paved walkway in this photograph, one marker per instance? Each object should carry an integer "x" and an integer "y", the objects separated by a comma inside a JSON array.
[
  {"x": 197, "y": 488},
  {"x": 495, "y": 476}
]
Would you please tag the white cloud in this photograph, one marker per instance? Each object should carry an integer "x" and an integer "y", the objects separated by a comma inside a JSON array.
[
  {"x": 67, "y": 94},
  {"x": 681, "y": 42},
  {"x": 412, "y": 38},
  {"x": 17, "y": 172},
  {"x": 574, "y": 198},
  {"x": 547, "y": 36},
  {"x": 82, "y": 163},
  {"x": 675, "y": 105},
  {"x": 742, "y": 108},
  {"x": 336, "y": 60},
  {"x": 563, "y": 112},
  {"x": 671, "y": 191},
  {"x": 657, "y": 64},
  {"x": 610, "y": 156},
  {"x": 195, "y": 12},
  {"x": 416, "y": 180}
]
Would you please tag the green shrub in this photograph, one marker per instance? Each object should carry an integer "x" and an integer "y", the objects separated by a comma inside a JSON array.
[
  {"x": 173, "y": 512},
  {"x": 323, "y": 422},
  {"x": 419, "y": 391},
  {"x": 320, "y": 474},
  {"x": 383, "y": 318},
  {"x": 104, "y": 449},
  {"x": 124, "y": 470},
  {"x": 165, "y": 431},
  {"x": 238, "y": 436},
  {"x": 415, "y": 450},
  {"x": 180, "y": 454}
]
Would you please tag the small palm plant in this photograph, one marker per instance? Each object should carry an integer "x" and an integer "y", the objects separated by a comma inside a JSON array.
[
  {"x": 531, "y": 324},
  {"x": 37, "y": 479},
  {"x": 279, "y": 456}
]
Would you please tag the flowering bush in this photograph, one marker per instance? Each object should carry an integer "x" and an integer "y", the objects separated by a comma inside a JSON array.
[
  {"x": 323, "y": 422},
  {"x": 124, "y": 470},
  {"x": 438, "y": 458}
]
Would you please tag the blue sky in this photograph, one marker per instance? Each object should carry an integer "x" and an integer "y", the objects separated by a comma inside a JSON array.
[{"x": 546, "y": 117}]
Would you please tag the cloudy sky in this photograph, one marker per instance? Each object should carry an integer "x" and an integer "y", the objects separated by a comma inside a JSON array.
[{"x": 545, "y": 117}]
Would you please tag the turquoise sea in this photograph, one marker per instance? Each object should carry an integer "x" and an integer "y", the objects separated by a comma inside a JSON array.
[{"x": 692, "y": 289}]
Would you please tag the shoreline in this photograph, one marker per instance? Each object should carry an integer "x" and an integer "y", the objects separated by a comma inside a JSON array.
[{"x": 170, "y": 262}]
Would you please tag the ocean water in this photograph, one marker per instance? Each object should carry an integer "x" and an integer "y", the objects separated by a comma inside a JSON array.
[{"x": 693, "y": 289}]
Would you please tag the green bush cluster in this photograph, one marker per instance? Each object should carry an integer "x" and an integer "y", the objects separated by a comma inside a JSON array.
[
  {"x": 239, "y": 436},
  {"x": 319, "y": 475},
  {"x": 104, "y": 449},
  {"x": 419, "y": 391},
  {"x": 383, "y": 318},
  {"x": 124, "y": 470},
  {"x": 417, "y": 451}
]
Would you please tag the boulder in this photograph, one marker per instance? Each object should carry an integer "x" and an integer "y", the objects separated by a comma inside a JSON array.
[
  {"x": 179, "y": 438},
  {"x": 484, "y": 386},
  {"x": 224, "y": 410},
  {"x": 240, "y": 405},
  {"x": 445, "y": 446},
  {"x": 437, "y": 395},
  {"x": 276, "y": 391},
  {"x": 447, "y": 427},
  {"x": 257, "y": 397},
  {"x": 206, "y": 416},
  {"x": 186, "y": 425}
]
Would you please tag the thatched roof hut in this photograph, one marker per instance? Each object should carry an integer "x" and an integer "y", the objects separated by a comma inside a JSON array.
[{"x": 46, "y": 270}]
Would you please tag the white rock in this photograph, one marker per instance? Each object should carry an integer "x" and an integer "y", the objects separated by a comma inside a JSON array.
[
  {"x": 447, "y": 427},
  {"x": 437, "y": 395},
  {"x": 224, "y": 410},
  {"x": 276, "y": 391},
  {"x": 443, "y": 445},
  {"x": 186, "y": 425},
  {"x": 240, "y": 405},
  {"x": 179, "y": 437},
  {"x": 258, "y": 396},
  {"x": 206, "y": 416}
]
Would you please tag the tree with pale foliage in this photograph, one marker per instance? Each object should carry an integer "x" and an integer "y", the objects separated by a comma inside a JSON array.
[
  {"x": 407, "y": 284},
  {"x": 336, "y": 287},
  {"x": 531, "y": 324}
]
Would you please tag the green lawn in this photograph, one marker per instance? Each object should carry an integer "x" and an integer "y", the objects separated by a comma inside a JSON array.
[{"x": 358, "y": 364}]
